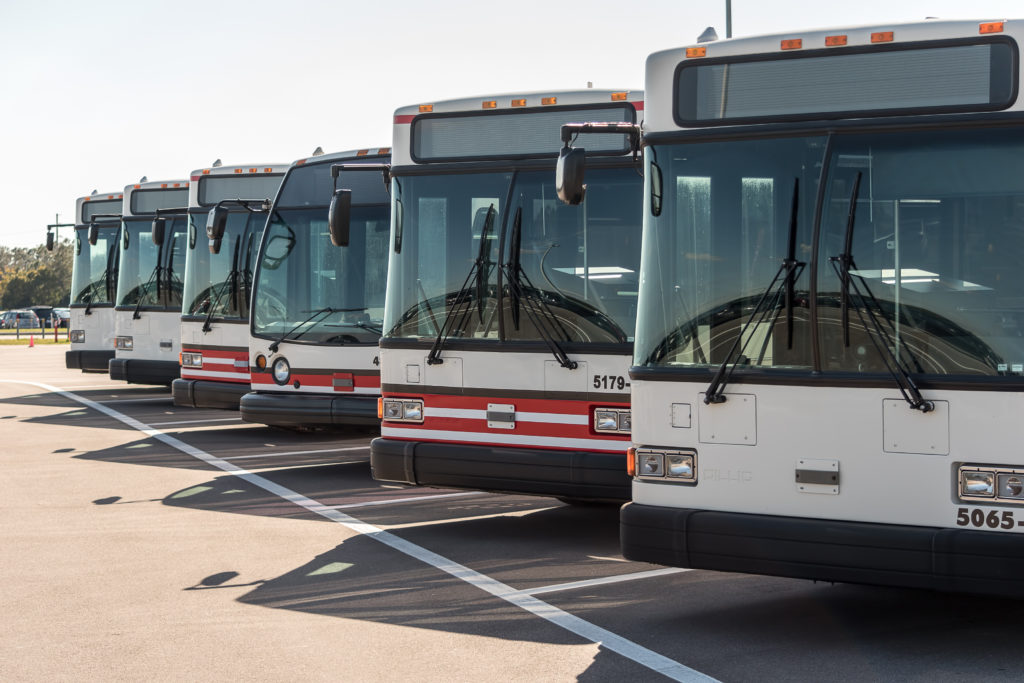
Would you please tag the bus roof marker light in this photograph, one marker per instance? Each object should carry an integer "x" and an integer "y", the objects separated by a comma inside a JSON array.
[
  {"x": 990, "y": 27},
  {"x": 792, "y": 44},
  {"x": 426, "y": 108},
  {"x": 882, "y": 37},
  {"x": 548, "y": 100},
  {"x": 619, "y": 96},
  {"x": 694, "y": 52},
  {"x": 489, "y": 104},
  {"x": 521, "y": 102},
  {"x": 835, "y": 41}
]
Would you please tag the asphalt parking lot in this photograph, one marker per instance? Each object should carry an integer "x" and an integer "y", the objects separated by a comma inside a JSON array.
[{"x": 144, "y": 541}]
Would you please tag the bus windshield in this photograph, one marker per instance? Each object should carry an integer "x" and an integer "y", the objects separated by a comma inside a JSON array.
[
  {"x": 575, "y": 268},
  {"x": 333, "y": 295},
  {"x": 220, "y": 283},
  {"x": 148, "y": 272},
  {"x": 94, "y": 270},
  {"x": 934, "y": 251}
]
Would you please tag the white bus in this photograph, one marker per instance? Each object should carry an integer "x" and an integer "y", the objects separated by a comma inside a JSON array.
[
  {"x": 318, "y": 304},
  {"x": 221, "y": 257},
  {"x": 147, "y": 316},
  {"x": 829, "y": 357},
  {"x": 509, "y": 317},
  {"x": 94, "y": 282}
]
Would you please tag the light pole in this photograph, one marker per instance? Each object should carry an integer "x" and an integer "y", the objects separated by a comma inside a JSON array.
[{"x": 728, "y": 18}]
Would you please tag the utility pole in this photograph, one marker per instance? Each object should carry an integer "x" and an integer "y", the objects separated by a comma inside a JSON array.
[
  {"x": 55, "y": 228},
  {"x": 728, "y": 18}
]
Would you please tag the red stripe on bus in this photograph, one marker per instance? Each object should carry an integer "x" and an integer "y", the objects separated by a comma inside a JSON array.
[
  {"x": 639, "y": 106},
  {"x": 405, "y": 118},
  {"x": 531, "y": 405},
  {"x": 483, "y": 442}
]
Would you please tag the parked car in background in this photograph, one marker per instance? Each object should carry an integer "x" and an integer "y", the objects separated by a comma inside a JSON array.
[
  {"x": 61, "y": 317},
  {"x": 43, "y": 313},
  {"x": 19, "y": 319}
]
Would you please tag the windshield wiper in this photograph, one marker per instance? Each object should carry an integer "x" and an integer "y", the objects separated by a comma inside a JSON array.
[
  {"x": 323, "y": 311},
  {"x": 230, "y": 280},
  {"x": 88, "y": 303},
  {"x": 476, "y": 280},
  {"x": 786, "y": 276},
  {"x": 539, "y": 313},
  {"x": 844, "y": 265},
  {"x": 142, "y": 292}
]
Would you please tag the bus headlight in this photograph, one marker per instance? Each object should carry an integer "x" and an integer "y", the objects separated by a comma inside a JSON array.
[
  {"x": 124, "y": 343},
  {"x": 191, "y": 360},
  {"x": 612, "y": 421},
  {"x": 977, "y": 483},
  {"x": 402, "y": 410},
  {"x": 677, "y": 466},
  {"x": 77, "y": 336},
  {"x": 281, "y": 371}
]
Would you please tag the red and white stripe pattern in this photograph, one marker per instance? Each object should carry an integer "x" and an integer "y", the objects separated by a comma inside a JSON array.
[
  {"x": 315, "y": 380},
  {"x": 219, "y": 365},
  {"x": 539, "y": 423}
]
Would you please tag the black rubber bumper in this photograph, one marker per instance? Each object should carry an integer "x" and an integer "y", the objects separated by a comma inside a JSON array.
[
  {"x": 533, "y": 471},
  {"x": 140, "y": 371},
  {"x": 197, "y": 393},
  {"x": 298, "y": 410},
  {"x": 95, "y": 360},
  {"x": 954, "y": 560}
]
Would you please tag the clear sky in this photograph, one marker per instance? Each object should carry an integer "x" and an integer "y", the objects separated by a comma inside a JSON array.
[{"x": 96, "y": 95}]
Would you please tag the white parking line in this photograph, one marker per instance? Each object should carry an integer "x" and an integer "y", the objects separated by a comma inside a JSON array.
[
  {"x": 618, "y": 578},
  {"x": 194, "y": 422},
  {"x": 136, "y": 400},
  {"x": 580, "y": 627},
  {"x": 282, "y": 453},
  {"x": 414, "y": 499}
]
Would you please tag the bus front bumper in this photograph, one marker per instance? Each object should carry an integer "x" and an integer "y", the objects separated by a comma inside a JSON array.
[
  {"x": 197, "y": 393},
  {"x": 94, "y": 360},
  {"x": 141, "y": 371},
  {"x": 583, "y": 475},
  {"x": 954, "y": 560},
  {"x": 308, "y": 410}
]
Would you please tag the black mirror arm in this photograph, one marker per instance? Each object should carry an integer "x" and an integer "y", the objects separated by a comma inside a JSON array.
[{"x": 385, "y": 169}]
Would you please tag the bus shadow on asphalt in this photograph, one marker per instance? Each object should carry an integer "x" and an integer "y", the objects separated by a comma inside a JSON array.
[{"x": 145, "y": 451}]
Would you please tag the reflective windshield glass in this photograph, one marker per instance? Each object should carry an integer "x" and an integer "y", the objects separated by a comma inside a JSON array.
[
  {"x": 933, "y": 261},
  {"x": 572, "y": 269},
  {"x": 94, "y": 270},
  {"x": 150, "y": 273},
  {"x": 218, "y": 284},
  {"x": 719, "y": 241},
  {"x": 318, "y": 292}
]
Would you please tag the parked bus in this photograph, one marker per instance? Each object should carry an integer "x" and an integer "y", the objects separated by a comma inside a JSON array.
[
  {"x": 318, "y": 306},
  {"x": 221, "y": 257},
  {"x": 94, "y": 281},
  {"x": 509, "y": 317},
  {"x": 149, "y": 283},
  {"x": 829, "y": 356}
]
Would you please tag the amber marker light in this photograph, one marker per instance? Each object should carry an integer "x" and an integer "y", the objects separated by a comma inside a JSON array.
[
  {"x": 362, "y": 152},
  {"x": 206, "y": 171},
  {"x": 261, "y": 362},
  {"x": 238, "y": 170},
  {"x": 882, "y": 37},
  {"x": 548, "y": 100},
  {"x": 519, "y": 103},
  {"x": 835, "y": 41},
  {"x": 426, "y": 108},
  {"x": 489, "y": 104},
  {"x": 991, "y": 27},
  {"x": 619, "y": 96},
  {"x": 380, "y": 408},
  {"x": 631, "y": 461},
  {"x": 693, "y": 52},
  {"x": 134, "y": 187},
  {"x": 384, "y": 150},
  {"x": 792, "y": 44}
]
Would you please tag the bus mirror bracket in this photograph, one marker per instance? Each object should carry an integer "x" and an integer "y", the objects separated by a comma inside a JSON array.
[
  {"x": 159, "y": 226},
  {"x": 385, "y": 170},
  {"x": 339, "y": 217}
]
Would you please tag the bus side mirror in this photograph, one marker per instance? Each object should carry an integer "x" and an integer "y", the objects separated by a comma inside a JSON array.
[
  {"x": 216, "y": 222},
  {"x": 215, "y": 246},
  {"x": 94, "y": 234},
  {"x": 656, "y": 189},
  {"x": 399, "y": 216},
  {"x": 339, "y": 217},
  {"x": 159, "y": 225},
  {"x": 49, "y": 241},
  {"x": 569, "y": 175}
]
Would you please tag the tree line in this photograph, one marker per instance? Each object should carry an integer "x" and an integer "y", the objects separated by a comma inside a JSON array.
[{"x": 32, "y": 276}]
